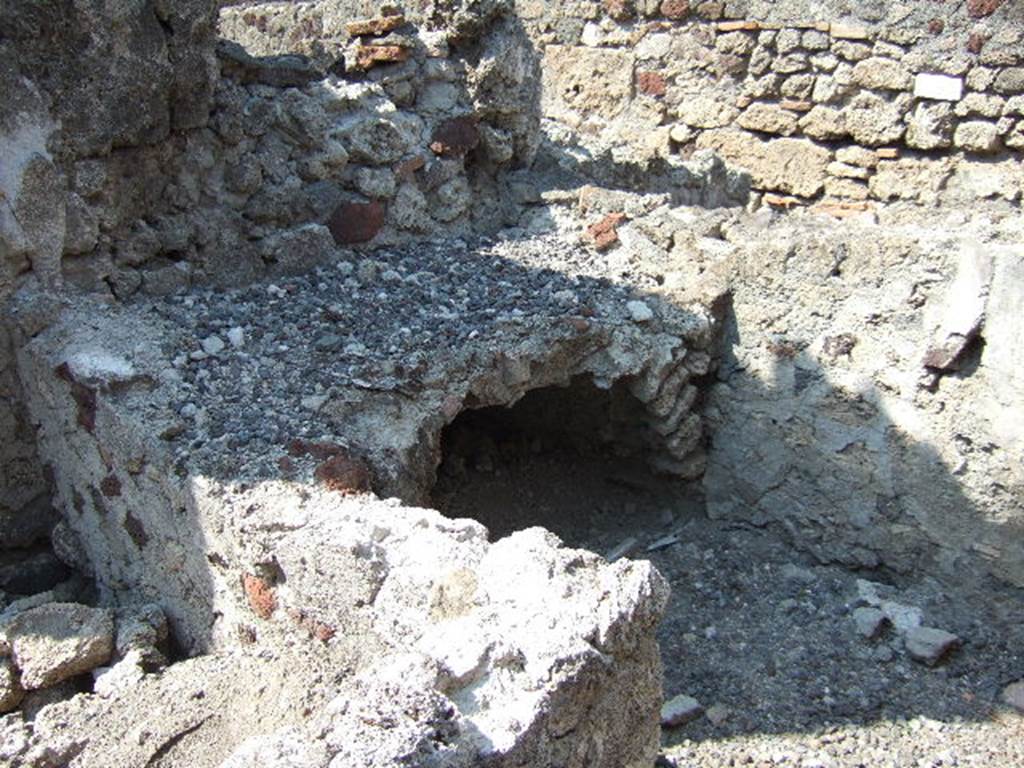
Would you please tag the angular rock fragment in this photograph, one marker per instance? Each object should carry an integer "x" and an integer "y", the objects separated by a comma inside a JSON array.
[
  {"x": 1013, "y": 694},
  {"x": 11, "y": 692},
  {"x": 929, "y": 645},
  {"x": 870, "y": 622},
  {"x": 57, "y": 641},
  {"x": 679, "y": 710}
]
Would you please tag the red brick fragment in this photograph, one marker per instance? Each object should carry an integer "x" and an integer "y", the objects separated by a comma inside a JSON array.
[
  {"x": 369, "y": 56},
  {"x": 455, "y": 137},
  {"x": 378, "y": 26},
  {"x": 936, "y": 26},
  {"x": 738, "y": 26},
  {"x": 605, "y": 240},
  {"x": 975, "y": 42},
  {"x": 651, "y": 83},
  {"x": 356, "y": 222},
  {"x": 260, "y": 595},
  {"x": 781, "y": 201},
  {"x": 604, "y": 233},
  {"x": 344, "y": 474}
]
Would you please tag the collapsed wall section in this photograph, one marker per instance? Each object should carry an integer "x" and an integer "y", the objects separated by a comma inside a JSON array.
[
  {"x": 269, "y": 534},
  {"x": 141, "y": 408},
  {"x": 865, "y": 401}
]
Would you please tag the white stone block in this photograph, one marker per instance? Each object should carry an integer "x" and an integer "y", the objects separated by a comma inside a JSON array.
[{"x": 939, "y": 87}]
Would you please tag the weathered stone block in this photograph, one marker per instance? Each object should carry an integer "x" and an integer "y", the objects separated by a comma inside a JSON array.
[
  {"x": 977, "y": 136},
  {"x": 586, "y": 80},
  {"x": 768, "y": 118},
  {"x": 57, "y": 641},
  {"x": 931, "y": 126},
  {"x": 785, "y": 165},
  {"x": 824, "y": 123},
  {"x": 707, "y": 112},
  {"x": 872, "y": 121},
  {"x": 881, "y": 74},
  {"x": 1010, "y": 81}
]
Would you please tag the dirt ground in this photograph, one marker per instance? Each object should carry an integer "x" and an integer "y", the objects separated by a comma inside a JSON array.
[{"x": 761, "y": 635}]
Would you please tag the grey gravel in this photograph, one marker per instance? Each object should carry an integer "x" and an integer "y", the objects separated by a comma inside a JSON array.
[{"x": 297, "y": 338}]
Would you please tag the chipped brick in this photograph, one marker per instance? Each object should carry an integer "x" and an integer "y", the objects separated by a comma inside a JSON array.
[
  {"x": 651, "y": 83},
  {"x": 604, "y": 234},
  {"x": 260, "y": 595},
  {"x": 380, "y": 25},
  {"x": 738, "y": 26},
  {"x": 781, "y": 201},
  {"x": 369, "y": 56}
]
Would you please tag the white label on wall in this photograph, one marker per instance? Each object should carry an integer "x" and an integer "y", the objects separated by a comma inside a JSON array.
[{"x": 941, "y": 87}]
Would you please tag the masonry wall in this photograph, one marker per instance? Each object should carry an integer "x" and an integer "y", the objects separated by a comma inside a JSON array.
[
  {"x": 198, "y": 162},
  {"x": 856, "y": 104},
  {"x": 141, "y": 156}
]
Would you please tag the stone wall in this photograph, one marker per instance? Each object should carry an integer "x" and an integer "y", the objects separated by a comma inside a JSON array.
[
  {"x": 867, "y": 402},
  {"x": 321, "y": 126},
  {"x": 191, "y": 162},
  {"x": 67, "y": 123},
  {"x": 847, "y": 105}
]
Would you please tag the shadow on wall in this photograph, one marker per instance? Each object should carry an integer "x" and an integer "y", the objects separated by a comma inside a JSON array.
[
  {"x": 469, "y": 129},
  {"x": 171, "y": 536},
  {"x": 835, "y": 470}
]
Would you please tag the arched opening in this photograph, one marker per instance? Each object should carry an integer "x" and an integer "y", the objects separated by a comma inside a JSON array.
[{"x": 574, "y": 459}]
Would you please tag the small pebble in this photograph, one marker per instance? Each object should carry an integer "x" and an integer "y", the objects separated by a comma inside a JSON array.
[
  {"x": 213, "y": 345},
  {"x": 639, "y": 311}
]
